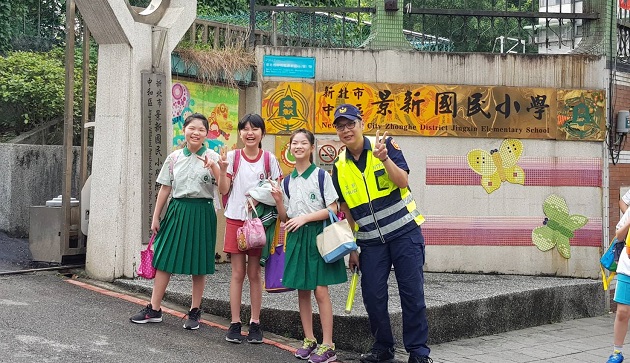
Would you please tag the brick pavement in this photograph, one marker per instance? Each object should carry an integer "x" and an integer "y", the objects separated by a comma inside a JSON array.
[{"x": 587, "y": 340}]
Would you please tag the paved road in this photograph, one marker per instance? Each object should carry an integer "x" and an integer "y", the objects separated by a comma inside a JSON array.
[{"x": 43, "y": 318}]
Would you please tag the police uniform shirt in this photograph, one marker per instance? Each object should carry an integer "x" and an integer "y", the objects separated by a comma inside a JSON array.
[
  {"x": 184, "y": 172},
  {"x": 305, "y": 194},
  {"x": 393, "y": 152}
]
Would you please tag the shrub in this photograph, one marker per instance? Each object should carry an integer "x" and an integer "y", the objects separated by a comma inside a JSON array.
[{"x": 32, "y": 90}]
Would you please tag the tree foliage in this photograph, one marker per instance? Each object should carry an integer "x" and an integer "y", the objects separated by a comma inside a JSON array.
[
  {"x": 32, "y": 91},
  {"x": 33, "y": 87},
  {"x": 31, "y": 24}
]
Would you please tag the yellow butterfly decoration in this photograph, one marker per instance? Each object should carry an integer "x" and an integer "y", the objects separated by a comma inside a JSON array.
[{"x": 499, "y": 165}]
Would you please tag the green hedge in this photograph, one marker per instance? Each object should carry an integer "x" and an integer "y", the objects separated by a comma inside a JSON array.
[{"x": 32, "y": 90}]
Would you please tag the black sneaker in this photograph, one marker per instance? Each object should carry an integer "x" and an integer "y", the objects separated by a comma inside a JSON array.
[
  {"x": 234, "y": 334},
  {"x": 192, "y": 323},
  {"x": 419, "y": 359},
  {"x": 378, "y": 356},
  {"x": 255, "y": 335},
  {"x": 147, "y": 315}
]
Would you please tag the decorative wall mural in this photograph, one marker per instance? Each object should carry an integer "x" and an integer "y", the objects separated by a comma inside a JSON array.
[
  {"x": 283, "y": 153},
  {"x": 499, "y": 165},
  {"x": 559, "y": 226},
  {"x": 218, "y": 104},
  {"x": 287, "y": 106}
]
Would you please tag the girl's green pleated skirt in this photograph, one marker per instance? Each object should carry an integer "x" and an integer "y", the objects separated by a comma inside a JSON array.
[
  {"x": 187, "y": 238},
  {"x": 304, "y": 267}
]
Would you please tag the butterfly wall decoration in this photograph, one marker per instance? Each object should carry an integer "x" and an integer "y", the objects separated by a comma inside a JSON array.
[
  {"x": 499, "y": 165},
  {"x": 558, "y": 226}
]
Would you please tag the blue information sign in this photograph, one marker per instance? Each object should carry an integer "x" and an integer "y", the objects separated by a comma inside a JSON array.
[{"x": 288, "y": 66}]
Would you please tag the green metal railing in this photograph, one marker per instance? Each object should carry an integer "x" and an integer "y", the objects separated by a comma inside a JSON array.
[{"x": 509, "y": 26}]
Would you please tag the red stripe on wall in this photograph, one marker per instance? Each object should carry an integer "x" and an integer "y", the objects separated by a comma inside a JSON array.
[
  {"x": 582, "y": 172},
  {"x": 499, "y": 231}
]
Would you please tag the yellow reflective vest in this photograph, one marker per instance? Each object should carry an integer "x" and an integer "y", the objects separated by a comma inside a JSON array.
[{"x": 381, "y": 210}]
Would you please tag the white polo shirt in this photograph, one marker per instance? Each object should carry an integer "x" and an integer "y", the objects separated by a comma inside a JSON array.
[
  {"x": 305, "y": 194},
  {"x": 250, "y": 172},
  {"x": 185, "y": 173}
]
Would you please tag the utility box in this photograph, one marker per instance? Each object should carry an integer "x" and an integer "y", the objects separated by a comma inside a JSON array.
[{"x": 44, "y": 238}]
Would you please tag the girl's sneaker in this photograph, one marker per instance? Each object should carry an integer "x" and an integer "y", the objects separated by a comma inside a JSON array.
[
  {"x": 616, "y": 357},
  {"x": 147, "y": 315},
  {"x": 255, "y": 335},
  {"x": 192, "y": 323},
  {"x": 308, "y": 347},
  {"x": 324, "y": 354},
  {"x": 234, "y": 333}
]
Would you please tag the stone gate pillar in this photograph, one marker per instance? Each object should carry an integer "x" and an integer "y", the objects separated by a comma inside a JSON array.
[{"x": 131, "y": 45}]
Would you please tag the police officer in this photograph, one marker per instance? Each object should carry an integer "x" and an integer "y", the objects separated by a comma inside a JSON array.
[{"x": 371, "y": 178}]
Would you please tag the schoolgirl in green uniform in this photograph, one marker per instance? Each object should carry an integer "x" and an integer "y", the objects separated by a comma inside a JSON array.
[
  {"x": 186, "y": 237},
  {"x": 305, "y": 269}
]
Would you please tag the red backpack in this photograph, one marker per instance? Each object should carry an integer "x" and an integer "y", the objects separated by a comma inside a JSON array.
[{"x": 237, "y": 162}]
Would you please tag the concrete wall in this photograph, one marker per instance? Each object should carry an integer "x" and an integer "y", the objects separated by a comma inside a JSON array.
[
  {"x": 524, "y": 70},
  {"x": 30, "y": 175},
  {"x": 545, "y": 71}
]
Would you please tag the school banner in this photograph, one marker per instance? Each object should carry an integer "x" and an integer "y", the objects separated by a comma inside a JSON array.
[
  {"x": 466, "y": 111},
  {"x": 218, "y": 104},
  {"x": 287, "y": 106}
]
